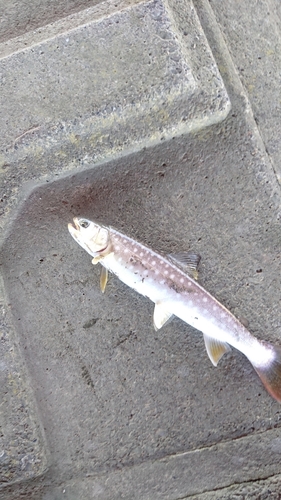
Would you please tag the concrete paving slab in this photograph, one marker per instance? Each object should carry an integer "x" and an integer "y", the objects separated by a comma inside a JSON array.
[
  {"x": 173, "y": 477},
  {"x": 135, "y": 396},
  {"x": 140, "y": 75},
  {"x": 264, "y": 490},
  {"x": 127, "y": 412},
  {"x": 23, "y": 454},
  {"x": 252, "y": 34}
]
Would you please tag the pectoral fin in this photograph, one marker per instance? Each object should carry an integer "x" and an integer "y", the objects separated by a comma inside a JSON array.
[
  {"x": 188, "y": 262},
  {"x": 96, "y": 260},
  {"x": 215, "y": 348},
  {"x": 161, "y": 315},
  {"x": 103, "y": 278}
]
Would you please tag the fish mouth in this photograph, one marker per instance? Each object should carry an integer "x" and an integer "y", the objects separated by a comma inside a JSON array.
[
  {"x": 76, "y": 223},
  {"x": 74, "y": 227}
]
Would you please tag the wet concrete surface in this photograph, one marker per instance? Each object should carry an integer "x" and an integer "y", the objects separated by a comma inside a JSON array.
[{"x": 116, "y": 409}]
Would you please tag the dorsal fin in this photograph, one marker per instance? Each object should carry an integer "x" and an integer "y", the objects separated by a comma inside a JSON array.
[{"x": 186, "y": 261}]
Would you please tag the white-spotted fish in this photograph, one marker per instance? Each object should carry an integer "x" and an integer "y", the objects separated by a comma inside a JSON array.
[{"x": 170, "y": 282}]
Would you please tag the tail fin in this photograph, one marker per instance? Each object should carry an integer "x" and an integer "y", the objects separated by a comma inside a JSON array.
[{"x": 270, "y": 372}]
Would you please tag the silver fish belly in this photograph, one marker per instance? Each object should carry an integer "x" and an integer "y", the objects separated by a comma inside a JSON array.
[{"x": 168, "y": 282}]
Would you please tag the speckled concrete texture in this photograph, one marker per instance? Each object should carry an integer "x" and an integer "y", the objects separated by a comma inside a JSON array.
[
  {"x": 146, "y": 126},
  {"x": 23, "y": 449},
  {"x": 17, "y": 17}
]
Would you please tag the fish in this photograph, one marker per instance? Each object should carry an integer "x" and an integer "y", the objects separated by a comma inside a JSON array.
[{"x": 170, "y": 282}]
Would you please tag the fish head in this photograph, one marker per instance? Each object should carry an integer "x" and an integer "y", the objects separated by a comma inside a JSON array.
[{"x": 95, "y": 239}]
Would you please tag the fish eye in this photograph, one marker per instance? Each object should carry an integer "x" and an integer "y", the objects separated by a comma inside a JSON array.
[{"x": 84, "y": 223}]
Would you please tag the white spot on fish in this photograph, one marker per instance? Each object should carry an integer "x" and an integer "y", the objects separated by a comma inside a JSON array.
[
  {"x": 141, "y": 254},
  {"x": 117, "y": 247},
  {"x": 166, "y": 272},
  {"x": 135, "y": 250},
  {"x": 172, "y": 276},
  {"x": 126, "y": 250},
  {"x": 182, "y": 280},
  {"x": 189, "y": 283},
  {"x": 162, "y": 282},
  {"x": 205, "y": 299},
  {"x": 215, "y": 308},
  {"x": 153, "y": 263}
]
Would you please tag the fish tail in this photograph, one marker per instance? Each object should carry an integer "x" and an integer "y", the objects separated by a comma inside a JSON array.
[{"x": 269, "y": 370}]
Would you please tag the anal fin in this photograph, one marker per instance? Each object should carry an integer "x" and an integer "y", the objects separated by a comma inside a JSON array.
[
  {"x": 161, "y": 316},
  {"x": 215, "y": 348}
]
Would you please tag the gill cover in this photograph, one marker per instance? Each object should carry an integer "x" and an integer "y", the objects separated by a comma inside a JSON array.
[{"x": 89, "y": 235}]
